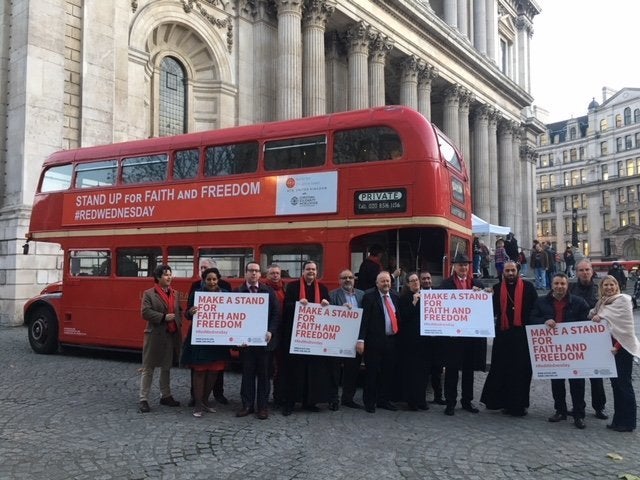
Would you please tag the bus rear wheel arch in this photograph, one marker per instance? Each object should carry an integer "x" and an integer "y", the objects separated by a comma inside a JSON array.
[{"x": 43, "y": 330}]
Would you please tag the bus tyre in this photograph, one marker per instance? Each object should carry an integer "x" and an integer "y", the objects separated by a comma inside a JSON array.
[{"x": 43, "y": 331}]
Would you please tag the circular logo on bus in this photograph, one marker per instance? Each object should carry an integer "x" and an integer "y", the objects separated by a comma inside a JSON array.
[
  {"x": 290, "y": 182},
  {"x": 294, "y": 201}
]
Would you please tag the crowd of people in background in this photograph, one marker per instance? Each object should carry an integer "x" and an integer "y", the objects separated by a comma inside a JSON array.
[{"x": 399, "y": 362}]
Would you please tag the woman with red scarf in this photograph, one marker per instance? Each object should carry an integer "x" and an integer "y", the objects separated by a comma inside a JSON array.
[
  {"x": 306, "y": 378},
  {"x": 509, "y": 380},
  {"x": 162, "y": 336}
]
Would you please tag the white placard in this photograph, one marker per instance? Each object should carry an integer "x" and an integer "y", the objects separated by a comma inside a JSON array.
[
  {"x": 230, "y": 318},
  {"x": 571, "y": 350},
  {"x": 456, "y": 313},
  {"x": 330, "y": 331},
  {"x": 307, "y": 193}
]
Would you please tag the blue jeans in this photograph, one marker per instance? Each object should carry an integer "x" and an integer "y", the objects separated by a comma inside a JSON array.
[{"x": 541, "y": 278}]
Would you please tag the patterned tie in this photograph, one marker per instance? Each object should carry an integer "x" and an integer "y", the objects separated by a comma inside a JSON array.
[
  {"x": 253, "y": 288},
  {"x": 392, "y": 314}
]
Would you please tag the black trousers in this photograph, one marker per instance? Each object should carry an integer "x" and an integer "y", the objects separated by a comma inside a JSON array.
[
  {"x": 255, "y": 369},
  {"x": 350, "y": 368},
  {"x": 624, "y": 397},
  {"x": 379, "y": 374},
  {"x": 598, "y": 398},
  {"x": 559, "y": 391}
]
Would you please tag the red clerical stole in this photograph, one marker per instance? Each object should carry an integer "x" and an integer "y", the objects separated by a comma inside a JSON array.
[
  {"x": 303, "y": 291},
  {"x": 169, "y": 299},
  {"x": 392, "y": 314},
  {"x": 505, "y": 299}
]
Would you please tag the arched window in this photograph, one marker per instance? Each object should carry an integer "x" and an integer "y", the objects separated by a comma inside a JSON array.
[
  {"x": 627, "y": 116},
  {"x": 172, "y": 111},
  {"x": 572, "y": 133},
  {"x": 618, "y": 120},
  {"x": 603, "y": 125},
  {"x": 636, "y": 115}
]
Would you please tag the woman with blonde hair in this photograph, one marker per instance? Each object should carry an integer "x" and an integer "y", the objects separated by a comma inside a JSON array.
[{"x": 616, "y": 310}]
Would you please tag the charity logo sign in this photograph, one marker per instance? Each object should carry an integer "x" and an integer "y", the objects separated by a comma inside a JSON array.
[
  {"x": 571, "y": 350},
  {"x": 330, "y": 330},
  {"x": 456, "y": 313},
  {"x": 230, "y": 318}
]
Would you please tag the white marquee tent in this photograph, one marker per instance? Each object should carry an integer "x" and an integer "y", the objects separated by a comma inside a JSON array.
[{"x": 480, "y": 226}]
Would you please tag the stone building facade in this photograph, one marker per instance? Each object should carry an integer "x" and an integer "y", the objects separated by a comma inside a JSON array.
[
  {"x": 592, "y": 164},
  {"x": 78, "y": 73}
]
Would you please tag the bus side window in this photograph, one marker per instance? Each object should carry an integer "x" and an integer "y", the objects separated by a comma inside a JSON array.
[
  {"x": 295, "y": 153},
  {"x": 90, "y": 263},
  {"x": 290, "y": 258},
  {"x": 144, "y": 169},
  {"x": 229, "y": 261},
  {"x": 56, "y": 178},
  {"x": 96, "y": 174},
  {"x": 231, "y": 159},
  {"x": 369, "y": 144},
  {"x": 180, "y": 259},
  {"x": 186, "y": 164},
  {"x": 137, "y": 262}
]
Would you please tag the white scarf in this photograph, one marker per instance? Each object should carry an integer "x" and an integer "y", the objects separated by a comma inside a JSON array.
[{"x": 617, "y": 311}]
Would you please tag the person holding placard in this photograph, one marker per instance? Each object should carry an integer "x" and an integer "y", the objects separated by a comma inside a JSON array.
[
  {"x": 559, "y": 306},
  {"x": 307, "y": 378},
  {"x": 255, "y": 359},
  {"x": 462, "y": 353},
  {"x": 616, "y": 310},
  {"x": 509, "y": 380}
]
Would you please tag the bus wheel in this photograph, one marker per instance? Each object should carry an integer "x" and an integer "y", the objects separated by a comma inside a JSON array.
[{"x": 43, "y": 331}]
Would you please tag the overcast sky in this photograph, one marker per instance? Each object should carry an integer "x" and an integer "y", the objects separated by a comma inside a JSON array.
[{"x": 579, "y": 46}]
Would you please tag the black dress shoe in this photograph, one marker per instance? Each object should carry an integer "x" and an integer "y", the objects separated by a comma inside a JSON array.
[
  {"x": 557, "y": 417},
  {"x": 287, "y": 410},
  {"x": 450, "y": 410},
  {"x": 334, "y": 406},
  {"x": 370, "y": 409},
  {"x": 263, "y": 414},
  {"x": 244, "y": 412},
  {"x": 412, "y": 407},
  {"x": 470, "y": 407},
  {"x": 388, "y": 406},
  {"x": 144, "y": 407},
  {"x": 351, "y": 404},
  {"x": 222, "y": 400},
  {"x": 169, "y": 401},
  {"x": 601, "y": 415},
  {"x": 423, "y": 406},
  {"x": 311, "y": 408},
  {"x": 620, "y": 428},
  {"x": 579, "y": 423},
  {"x": 439, "y": 401}
]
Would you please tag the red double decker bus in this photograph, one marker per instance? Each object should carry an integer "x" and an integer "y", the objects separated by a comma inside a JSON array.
[{"x": 323, "y": 188}]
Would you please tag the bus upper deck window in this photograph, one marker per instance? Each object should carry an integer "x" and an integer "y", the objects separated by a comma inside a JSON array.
[
  {"x": 57, "y": 178},
  {"x": 369, "y": 144},
  {"x": 233, "y": 159},
  {"x": 449, "y": 153},
  {"x": 186, "y": 164},
  {"x": 96, "y": 174},
  {"x": 148, "y": 168},
  {"x": 295, "y": 153}
]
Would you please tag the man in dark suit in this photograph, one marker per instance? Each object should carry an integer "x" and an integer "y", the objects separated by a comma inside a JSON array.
[
  {"x": 347, "y": 296},
  {"x": 370, "y": 268},
  {"x": 464, "y": 353},
  {"x": 255, "y": 360},
  {"x": 377, "y": 342}
]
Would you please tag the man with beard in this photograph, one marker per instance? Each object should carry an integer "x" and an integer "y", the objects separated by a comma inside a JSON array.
[
  {"x": 508, "y": 383},
  {"x": 307, "y": 378},
  {"x": 559, "y": 306},
  {"x": 586, "y": 289}
]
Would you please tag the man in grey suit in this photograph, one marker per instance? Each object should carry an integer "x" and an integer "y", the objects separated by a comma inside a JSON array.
[{"x": 346, "y": 296}]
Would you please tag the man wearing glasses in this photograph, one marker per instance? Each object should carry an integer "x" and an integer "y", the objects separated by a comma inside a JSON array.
[{"x": 347, "y": 296}]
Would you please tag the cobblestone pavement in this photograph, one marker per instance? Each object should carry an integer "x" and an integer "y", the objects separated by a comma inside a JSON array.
[{"x": 74, "y": 416}]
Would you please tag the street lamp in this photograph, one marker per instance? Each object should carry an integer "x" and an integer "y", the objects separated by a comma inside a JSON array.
[{"x": 574, "y": 228}]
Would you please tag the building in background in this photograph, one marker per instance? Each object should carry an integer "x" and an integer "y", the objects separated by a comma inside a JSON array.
[
  {"x": 592, "y": 164},
  {"x": 76, "y": 73}
]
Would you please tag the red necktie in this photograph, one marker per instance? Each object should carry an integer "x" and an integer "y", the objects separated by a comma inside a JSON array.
[{"x": 392, "y": 314}]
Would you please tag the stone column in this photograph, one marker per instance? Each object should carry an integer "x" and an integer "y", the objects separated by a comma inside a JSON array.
[
  {"x": 528, "y": 159},
  {"x": 491, "y": 11},
  {"x": 514, "y": 187},
  {"x": 505, "y": 173},
  {"x": 289, "y": 73},
  {"x": 409, "y": 82},
  {"x": 463, "y": 18},
  {"x": 358, "y": 37},
  {"x": 466, "y": 97},
  {"x": 451, "y": 13},
  {"x": 379, "y": 48},
  {"x": 523, "y": 25},
  {"x": 314, "y": 93},
  {"x": 451, "y": 123},
  {"x": 265, "y": 41},
  {"x": 493, "y": 166},
  {"x": 480, "y": 167},
  {"x": 480, "y": 26},
  {"x": 426, "y": 75},
  {"x": 336, "y": 74}
]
